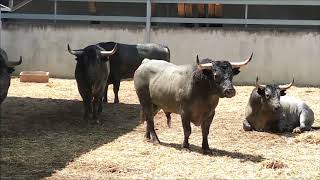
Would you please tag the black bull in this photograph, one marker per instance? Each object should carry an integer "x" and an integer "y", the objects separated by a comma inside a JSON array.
[
  {"x": 193, "y": 91},
  {"x": 91, "y": 73},
  {"x": 6, "y": 67},
  {"x": 127, "y": 58}
]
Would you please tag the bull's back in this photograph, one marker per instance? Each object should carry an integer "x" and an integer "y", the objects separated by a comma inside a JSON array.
[
  {"x": 128, "y": 57},
  {"x": 154, "y": 51},
  {"x": 164, "y": 83}
]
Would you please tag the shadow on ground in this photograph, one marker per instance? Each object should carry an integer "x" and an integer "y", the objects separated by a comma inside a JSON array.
[
  {"x": 218, "y": 152},
  {"x": 40, "y": 136}
]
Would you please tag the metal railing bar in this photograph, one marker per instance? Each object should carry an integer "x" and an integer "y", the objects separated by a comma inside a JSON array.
[
  {"x": 73, "y": 17},
  {"x": 161, "y": 19},
  {"x": 235, "y": 21},
  {"x": 249, "y": 2}
]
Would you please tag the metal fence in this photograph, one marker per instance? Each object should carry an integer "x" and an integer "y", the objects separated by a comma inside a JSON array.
[{"x": 148, "y": 18}]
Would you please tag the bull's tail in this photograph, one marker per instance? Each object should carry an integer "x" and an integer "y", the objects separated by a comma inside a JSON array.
[{"x": 145, "y": 60}]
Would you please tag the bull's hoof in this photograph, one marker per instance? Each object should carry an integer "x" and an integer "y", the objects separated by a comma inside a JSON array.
[
  {"x": 207, "y": 151},
  {"x": 155, "y": 141},
  {"x": 147, "y": 136},
  {"x": 297, "y": 130},
  {"x": 185, "y": 145},
  {"x": 116, "y": 102}
]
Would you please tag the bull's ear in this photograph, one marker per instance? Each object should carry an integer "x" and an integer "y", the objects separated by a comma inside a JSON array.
[
  {"x": 235, "y": 71},
  {"x": 261, "y": 91},
  {"x": 283, "y": 93}
]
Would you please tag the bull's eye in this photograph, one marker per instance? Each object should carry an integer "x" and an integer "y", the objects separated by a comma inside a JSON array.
[
  {"x": 216, "y": 77},
  {"x": 267, "y": 96}
]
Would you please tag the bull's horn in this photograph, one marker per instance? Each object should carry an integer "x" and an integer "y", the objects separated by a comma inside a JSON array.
[
  {"x": 12, "y": 64},
  {"x": 239, "y": 64},
  {"x": 75, "y": 52},
  {"x": 286, "y": 86},
  {"x": 109, "y": 53},
  {"x": 203, "y": 66},
  {"x": 258, "y": 85}
]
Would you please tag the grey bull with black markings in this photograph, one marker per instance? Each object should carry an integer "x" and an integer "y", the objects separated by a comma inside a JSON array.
[
  {"x": 269, "y": 109},
  {"x": 193, "y": 91}
]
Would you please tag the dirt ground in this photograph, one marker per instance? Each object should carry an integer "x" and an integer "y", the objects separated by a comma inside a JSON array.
[{"x": 42, "y": 136}]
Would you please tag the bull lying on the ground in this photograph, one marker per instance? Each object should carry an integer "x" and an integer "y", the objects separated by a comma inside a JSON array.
[
  {"x": 193, "y": 91},
  {"x": 6, "y": 68},
  {"x": 269, "y": 110},
  {"x": 127, "y": 58},
  {"x": 92, "y": 71}
]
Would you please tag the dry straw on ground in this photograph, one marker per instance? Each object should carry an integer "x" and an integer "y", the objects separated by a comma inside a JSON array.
[{"x": 42, "y": 136}]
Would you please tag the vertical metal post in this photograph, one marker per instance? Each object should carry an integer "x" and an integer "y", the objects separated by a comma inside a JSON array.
[
  {"x": 11, "y": 4},
  {"x": 246, "y": 15},
  {"x": 0, "y": 26},
  {"x": 55, "y": 10},
  {"x": 148, "y": 21}
]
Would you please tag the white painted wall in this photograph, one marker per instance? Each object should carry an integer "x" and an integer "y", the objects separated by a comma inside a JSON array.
[{"x": 277, "y": 54}]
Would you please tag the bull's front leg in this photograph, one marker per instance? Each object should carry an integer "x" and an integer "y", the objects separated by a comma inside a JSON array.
[
  {"x": 87, "y": 108},
  {"x": 105, "y": 99},
  {"x": 305, "y": 123},
  {"x": 185, "y": 118},
  {"x": 205, "y": 127},
  {"x": 95, "y": 110}
]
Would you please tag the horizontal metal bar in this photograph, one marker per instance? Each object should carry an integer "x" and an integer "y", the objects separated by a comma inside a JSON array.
[
  {"x": 250, "y": 2},
  {"x": 236, "y": 21},
  {"x": 73, "y": 17},
  {"x": 162, "y": 19}
]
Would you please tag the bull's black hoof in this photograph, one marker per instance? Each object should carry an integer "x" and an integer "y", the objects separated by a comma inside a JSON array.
[
  {"x": 155, "y": 141},
  {"x": 207, "y": 151},
  {"x": 185, "y": 145},
  {"x": 116, "y": 101},
  {"x": 147, "y": 136}
]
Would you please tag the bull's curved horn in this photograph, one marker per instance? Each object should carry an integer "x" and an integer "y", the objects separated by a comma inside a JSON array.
[
  {"x": 287, "y": 86},
  {"x": 203, "y": 66},
  {"x": 75, "y": 52},
  {"x": 239, "y": 64},
  {"x": 258, "y": 85},
  {"x": 12, "y": 64},
  {"x": 109, "y": 53}
]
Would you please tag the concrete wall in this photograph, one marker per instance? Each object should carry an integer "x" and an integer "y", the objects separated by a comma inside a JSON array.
[{"x": 278, "y": 54}]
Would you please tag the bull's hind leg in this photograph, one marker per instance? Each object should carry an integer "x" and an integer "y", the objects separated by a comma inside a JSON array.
[
  {"x": 150, "y": 128},
  {"x": 168, "y": 115},
  {"x": 116, "y": 87},
  {"x": 186, "y": 129},
  {"x": 147, "y": 113}
]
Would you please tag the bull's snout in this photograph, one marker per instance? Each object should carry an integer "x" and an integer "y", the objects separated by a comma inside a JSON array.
[
  {"x": 277, "y": 108},
  {"x": 229, "y": 93}
]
